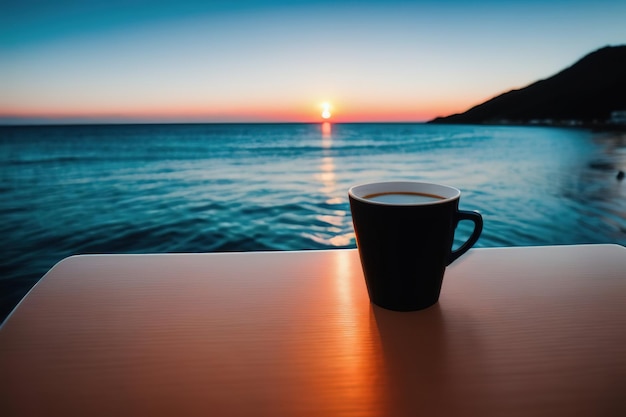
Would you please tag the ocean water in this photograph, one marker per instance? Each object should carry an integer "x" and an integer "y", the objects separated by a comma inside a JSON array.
[{"x": 68, "y": 190}]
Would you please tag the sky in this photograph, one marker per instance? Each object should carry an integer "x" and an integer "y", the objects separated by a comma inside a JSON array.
[{"x": 93, "y": 61}]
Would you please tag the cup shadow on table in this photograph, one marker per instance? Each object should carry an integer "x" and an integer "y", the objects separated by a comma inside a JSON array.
[{"x": 426, "y": 363}]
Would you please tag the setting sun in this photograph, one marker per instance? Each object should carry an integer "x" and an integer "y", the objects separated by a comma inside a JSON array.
[{"x": 326, "y": 111}]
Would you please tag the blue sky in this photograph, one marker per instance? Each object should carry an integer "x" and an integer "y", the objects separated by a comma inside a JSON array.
[{"x": 237, "y": 61}]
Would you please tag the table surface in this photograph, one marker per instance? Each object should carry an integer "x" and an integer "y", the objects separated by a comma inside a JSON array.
[{"x": 517, "y": 331}]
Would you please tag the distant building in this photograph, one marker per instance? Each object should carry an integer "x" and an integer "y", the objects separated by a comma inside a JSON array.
[{"x": 618, "y": 117}]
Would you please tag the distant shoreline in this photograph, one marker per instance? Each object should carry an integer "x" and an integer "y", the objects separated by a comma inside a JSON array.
[
  {"x": 593, "y": 126},
  {"x": 591, "y": 93}
]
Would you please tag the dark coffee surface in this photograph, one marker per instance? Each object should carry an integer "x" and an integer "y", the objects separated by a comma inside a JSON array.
[{"x": 396, "y": 197}]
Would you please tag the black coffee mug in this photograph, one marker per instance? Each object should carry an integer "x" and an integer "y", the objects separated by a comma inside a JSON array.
[{"x": 404, "y": 233}]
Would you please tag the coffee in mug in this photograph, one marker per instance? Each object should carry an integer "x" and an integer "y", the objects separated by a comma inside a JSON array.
[
  {"x": 404, "y": 232},
  {"x": 403, "y": 198}
]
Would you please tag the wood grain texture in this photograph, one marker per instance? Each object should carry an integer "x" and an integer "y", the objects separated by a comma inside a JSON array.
[{"x": 517, "y": 332}]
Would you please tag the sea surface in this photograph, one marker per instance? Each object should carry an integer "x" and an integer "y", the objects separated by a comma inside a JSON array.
[{"x": 68, "y": 190}]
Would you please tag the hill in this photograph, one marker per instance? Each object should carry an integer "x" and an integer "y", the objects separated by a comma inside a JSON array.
[{"x": 588, "y": 92}]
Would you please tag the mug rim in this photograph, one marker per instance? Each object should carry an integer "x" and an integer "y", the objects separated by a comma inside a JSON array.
[{"x": 450, "y": 194}]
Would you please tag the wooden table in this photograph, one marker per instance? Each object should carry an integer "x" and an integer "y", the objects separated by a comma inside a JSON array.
[{"x": 538, "y": 331}]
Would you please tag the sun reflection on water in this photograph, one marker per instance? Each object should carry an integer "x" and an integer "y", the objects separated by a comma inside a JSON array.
[
  {"x": 339, "y": 230},
  {"x": 327, "y": 131}
]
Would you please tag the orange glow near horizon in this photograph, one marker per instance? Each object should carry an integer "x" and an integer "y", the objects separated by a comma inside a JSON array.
[{"x": 351, "y": 111}]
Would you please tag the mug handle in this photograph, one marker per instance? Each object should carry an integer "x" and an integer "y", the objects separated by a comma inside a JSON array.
[{"x": 475, "y": 217}]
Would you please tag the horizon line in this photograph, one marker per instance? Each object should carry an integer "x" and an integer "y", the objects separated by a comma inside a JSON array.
[{"x": 131, "y": 123}]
